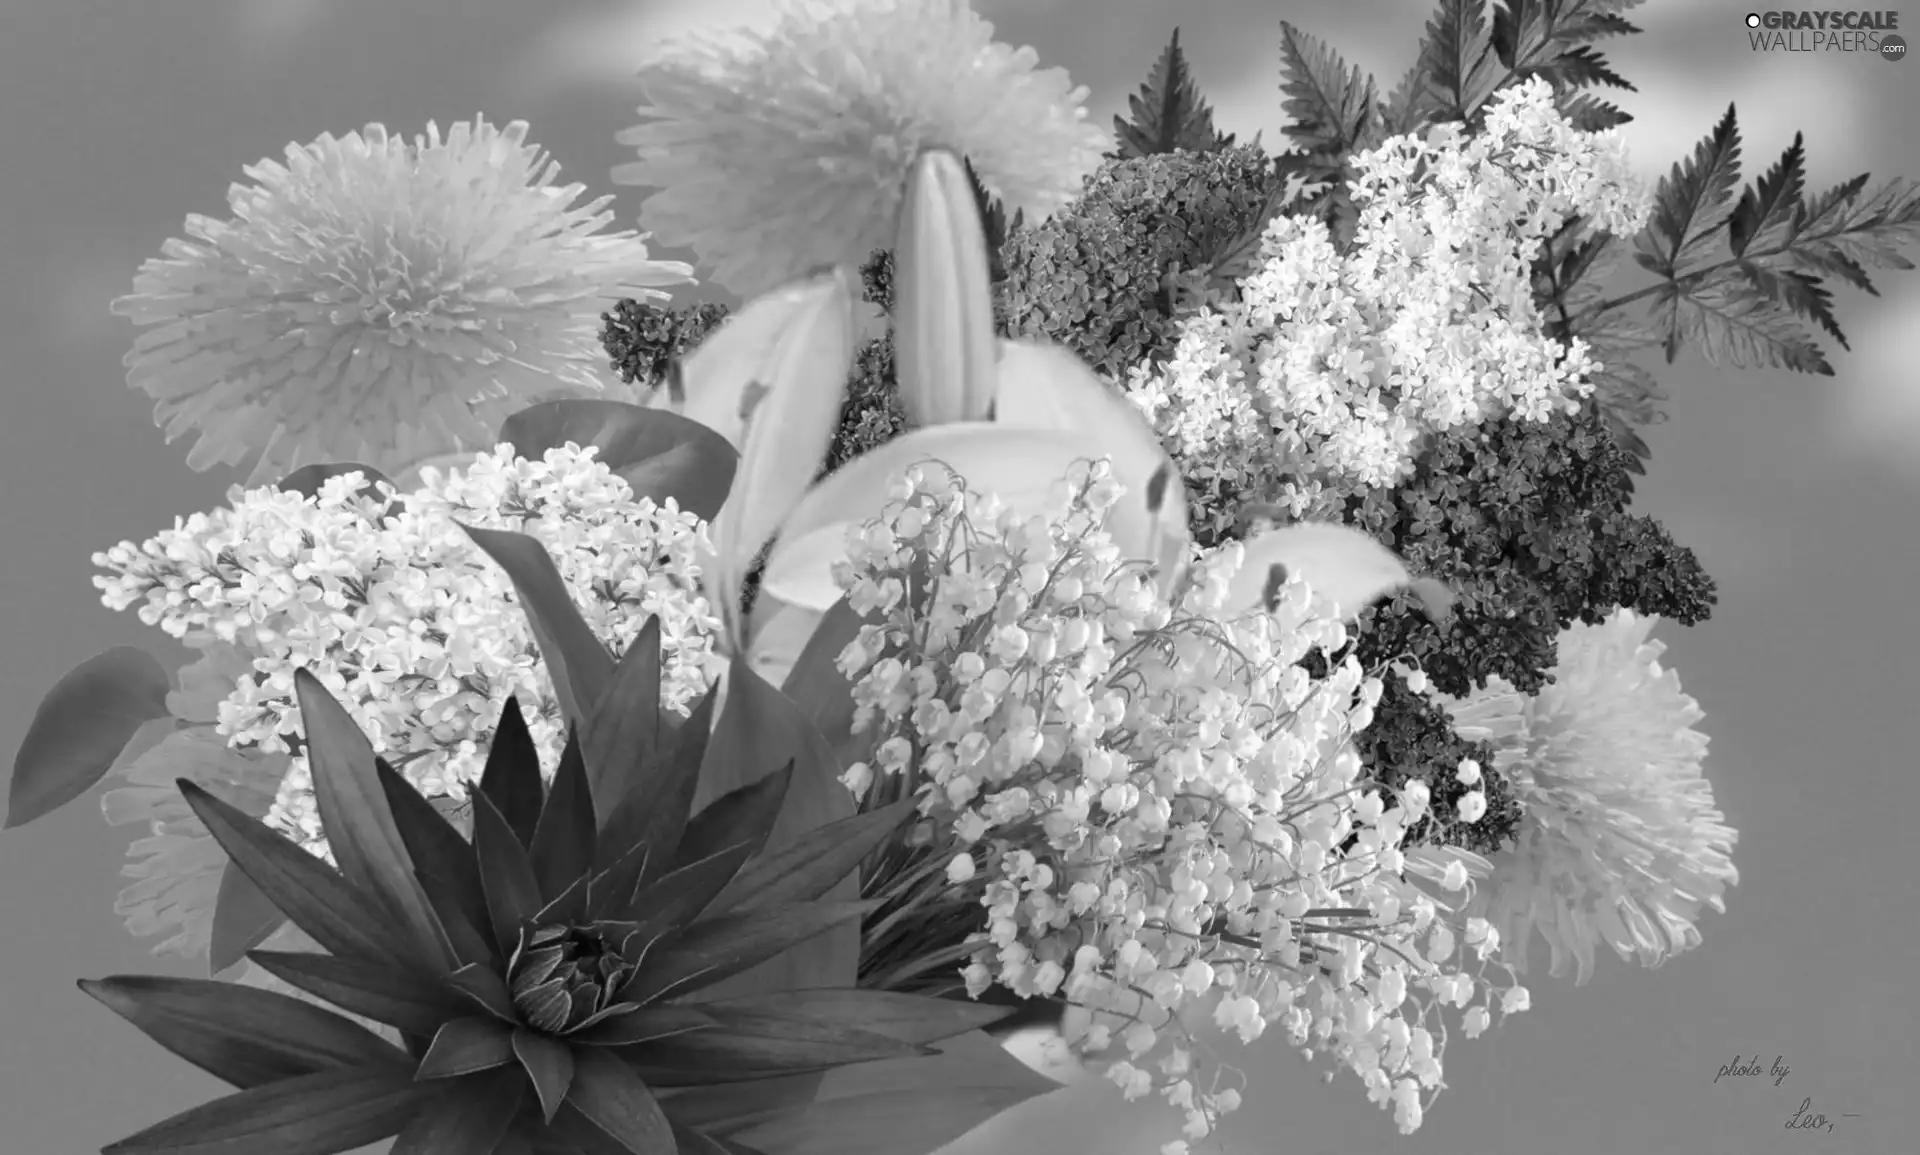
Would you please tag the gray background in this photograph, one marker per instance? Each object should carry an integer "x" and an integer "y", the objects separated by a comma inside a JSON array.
[{"x": 119, "y": 118}]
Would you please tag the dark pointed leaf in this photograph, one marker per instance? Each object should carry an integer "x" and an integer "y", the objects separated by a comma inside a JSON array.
[
  {"x": 608, "y": 1096},
  {"x": 694, "y": 1142},
  {"x": 865, "y": 1109},
  {"x": 468, "y": 930},
  {"x": 384, "y": 994},
  {"x": 549, "y": 1063},
  {"x": 712, "y": 950},
  {"x": 562, "y": 848},
  {"x": 241, "y": 1034},
  {"x": 512, "y": 774},
  {"x": 469, "y": 1117},
  {"x": 1329, "y": 101},
  {"x": 810, "y": 866},
  {"x": 506, "y": 875},
  {"x": 610, "y": 891},
  {"x": 310, "y": 893},
  {"x": 760, "y": 729},
  {"x": 638, "y": 1026},
  {"x": 659, "y": 454},
  {"x": 438, "y": 852},
  {"x": 320, "y": 1114},
  {"x": 678, "y": 898},
  {"x": 1169, "y": 114},
  {"x": 908, "y": 1018},
  {"x": 243, "y": 918},
  {"x": 569, "y": 906},
  {"x": 748, "y": 1047},
  {"x": 1693, "y": 201},
  {"x": 816, "y": 685},
  {"x": 358, "y": 824},
  {"x": 464, "y": 1046},
  {"x": 625, "y": 732},
  {"x": 80, "y": 728},
  {"x": 745, "y": 814},
  {"x": 576, "y": 660},
  {"x": 659, "y": 798},
  {"x": 486, "y": 989}
]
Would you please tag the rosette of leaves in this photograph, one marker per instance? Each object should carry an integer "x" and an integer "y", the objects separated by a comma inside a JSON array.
[{"x": 542, "y": 976}]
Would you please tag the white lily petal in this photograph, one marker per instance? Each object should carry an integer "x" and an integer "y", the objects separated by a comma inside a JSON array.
[
  {"x": 718, "y": 376},
  {"x": 1021, "y": 467},
  {"x": 1045, "y": 386},
  {"x": 780, "y": 633},
  {"x": 944, "y": 356},
  {"x": 789, "y": 403},
  {"x": 1344, "y": 565}
]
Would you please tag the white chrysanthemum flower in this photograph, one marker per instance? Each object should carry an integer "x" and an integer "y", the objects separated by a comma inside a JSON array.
[
  {"x": 1621, "y": 842},
  {"x": 781, "y": 150},
  {"x": 379, "y": 300}
]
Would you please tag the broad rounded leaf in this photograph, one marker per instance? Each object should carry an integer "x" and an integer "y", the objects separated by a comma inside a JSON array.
[
  {"x": 320, "y": 1114},
  {"x": 1344, "y": 565},
  {"x": 80, "y": 728},
  {"x": 659, "y": 454},
  {"x": 242, "y": 1034},
  {"x": 1022, "y": 467}
]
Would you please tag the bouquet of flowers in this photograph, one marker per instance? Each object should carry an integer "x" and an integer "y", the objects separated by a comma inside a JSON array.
[{"x": 1209, "y": 599}]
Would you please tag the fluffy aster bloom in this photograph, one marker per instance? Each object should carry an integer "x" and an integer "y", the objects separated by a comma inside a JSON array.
[
  {"x": 1148, "y": 797},
  {"x": 1621, "y": 842},
  {"x": 404, "y": 619},
  {"x": 380, "y": 300},
  {"x": 781, "y": 149}
]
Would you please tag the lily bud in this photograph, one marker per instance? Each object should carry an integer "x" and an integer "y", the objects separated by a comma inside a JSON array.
[
  {"x": 786, "y": 381},
  {"x": 944, "y": 349}
]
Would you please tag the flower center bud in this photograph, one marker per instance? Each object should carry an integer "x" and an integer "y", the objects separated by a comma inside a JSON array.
[{"x": 561, "y": 976}]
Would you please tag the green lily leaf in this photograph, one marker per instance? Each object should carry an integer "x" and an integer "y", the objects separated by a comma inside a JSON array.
[
  {"x": 901, "y": 1107},
  {"x": 465, "y": 1046},
  {"x": 909, "y": 1018},
  {"x": 759, "y": 1050},
  {"x": 506, "y": 875},
  {"x": 468, "y": 931},
  {"x": 511, "y": 776},
  {"x": 609, "y": 1098},
  {"x": 813, "y": 864},
  {"x": 549, "y": 1064},
  {"x": 661, "y": 455},
  {"x": 660, "y": 1021},
  {"x": 815, "y": 684},
  {"x": 745, "y": 814},
  {"x": 720, "y": 947},
  {"x": 610, "y": 891},
  {"x": 326, "y": 1113},
  {"x": 241, "y": 1034},
  {"x": 563, "y": 840},
  {"x": 577, "y": 662},
  {"x": 760, "y": 729},
  {"x": 353, "y": 811},
  {"x": 486, "y": 989},
  {"x": 80, "y": 728},
  {"x": 312, "y": 895},
  {"x": 678, "y": 898},
  {"x": 465, "y": 1118},
  {"x": 660, "y": 794},
  {"x": 694, "y": 1142},
  {"x": 625, "y": 732},
  {"x": 243, "y": 918},
  {"x": 384, "y": 994},
  {"x": 439, "y": 854}
]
